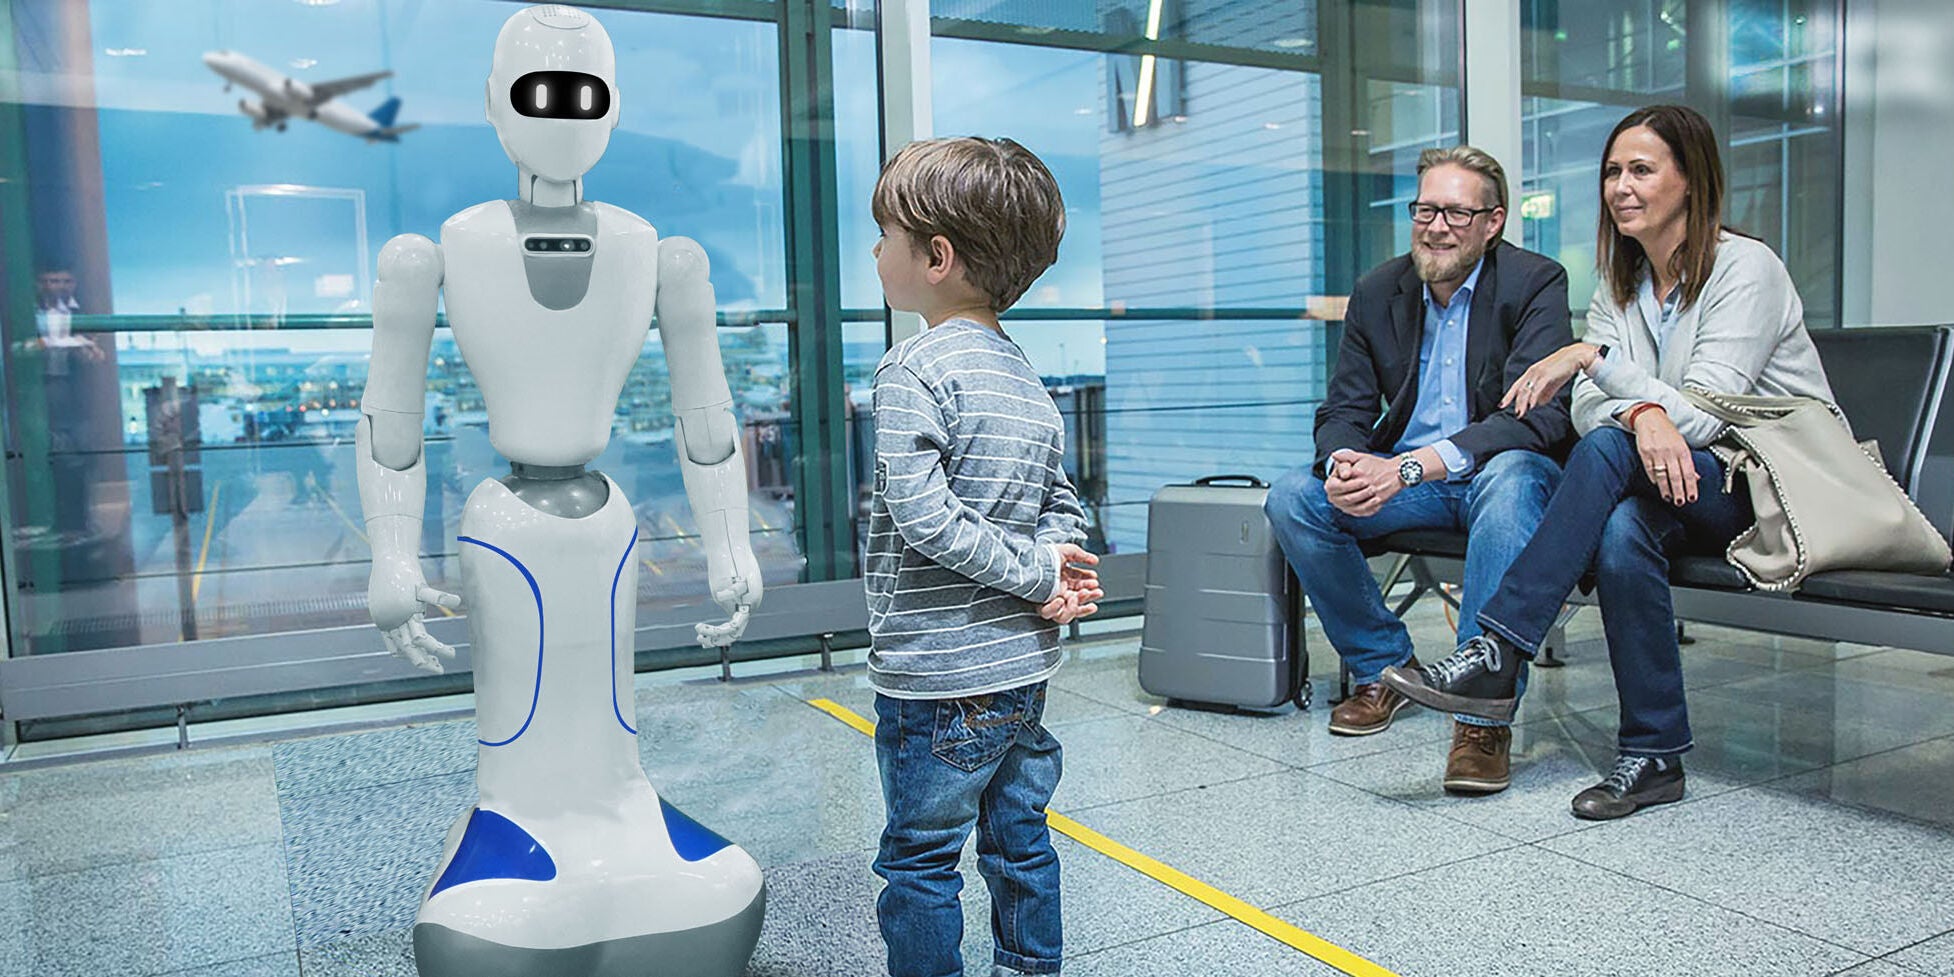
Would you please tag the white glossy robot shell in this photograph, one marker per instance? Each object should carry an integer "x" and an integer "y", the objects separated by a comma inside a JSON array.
[{"x": 554, "y": 39}]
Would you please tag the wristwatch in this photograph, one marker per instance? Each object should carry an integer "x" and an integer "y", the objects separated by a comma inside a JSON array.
[
  {"x": 1410, "y": 470},
  {"x": 1600, "y": 352}
]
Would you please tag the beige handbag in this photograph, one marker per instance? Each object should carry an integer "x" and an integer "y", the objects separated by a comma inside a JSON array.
[{"x": 1822, "y": 501}]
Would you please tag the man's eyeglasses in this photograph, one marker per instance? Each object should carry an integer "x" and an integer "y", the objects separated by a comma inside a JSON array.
[{"x": 1455, "y": 216}]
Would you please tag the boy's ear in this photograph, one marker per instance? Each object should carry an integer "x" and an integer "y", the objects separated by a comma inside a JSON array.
[{"x": 942, "y": 258}]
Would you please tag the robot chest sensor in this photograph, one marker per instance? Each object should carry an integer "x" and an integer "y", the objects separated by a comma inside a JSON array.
[{"x": 557, "y": 245}]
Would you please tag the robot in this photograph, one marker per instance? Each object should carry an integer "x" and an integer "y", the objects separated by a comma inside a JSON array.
[{"x": 570, "y": 864}]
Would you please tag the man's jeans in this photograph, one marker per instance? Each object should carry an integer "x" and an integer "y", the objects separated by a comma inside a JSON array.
[
  {"x": 1608, "y": 516},
  {"x": 1497, "y": 508},
  {"x": 949, "y": 765}
]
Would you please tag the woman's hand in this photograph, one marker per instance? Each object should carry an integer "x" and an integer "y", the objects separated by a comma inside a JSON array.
[
  {"x": 1665, "y": 456},
  {"x": 1546, "y": 376}
]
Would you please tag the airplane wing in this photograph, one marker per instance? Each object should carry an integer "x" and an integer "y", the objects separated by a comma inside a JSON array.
[{"x": 325, "y": 91}]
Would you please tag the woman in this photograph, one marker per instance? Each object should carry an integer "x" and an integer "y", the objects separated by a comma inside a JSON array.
[{"x": 1684, "y": 303}]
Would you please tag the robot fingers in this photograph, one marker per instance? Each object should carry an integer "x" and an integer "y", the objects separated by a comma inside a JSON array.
[
  {"x": 428, "y": 644},
  {"x": 721, "y": 635},
  {"x": 400, "y": 642},
  {"x": 428, "y": 595}
]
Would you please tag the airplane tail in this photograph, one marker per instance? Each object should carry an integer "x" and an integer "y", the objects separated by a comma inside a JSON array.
[{"x": 384, "y": 115}]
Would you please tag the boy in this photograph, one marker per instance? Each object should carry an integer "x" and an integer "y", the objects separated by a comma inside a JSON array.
[{"x": 972, "y": 531}]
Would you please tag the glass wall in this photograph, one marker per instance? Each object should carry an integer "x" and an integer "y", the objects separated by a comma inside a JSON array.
[
  {"x": 187, "y": 279},
  {"x": 196, "y": 275},
  {"x": 1764, "y": 74},
  {"x": 1227, "y": 173}
]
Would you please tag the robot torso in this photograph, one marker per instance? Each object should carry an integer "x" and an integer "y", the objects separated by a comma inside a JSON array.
[{"x": 550, "y": 307}]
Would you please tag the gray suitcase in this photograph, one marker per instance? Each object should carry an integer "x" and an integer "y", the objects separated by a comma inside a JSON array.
[{"x": 1224, "y": 623}]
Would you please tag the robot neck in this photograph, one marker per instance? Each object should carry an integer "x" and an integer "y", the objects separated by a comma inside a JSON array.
[{"x": 543, "y": 192}]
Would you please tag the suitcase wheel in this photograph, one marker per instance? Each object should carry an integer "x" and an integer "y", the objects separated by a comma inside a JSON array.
[{"x": 1304, "y": 695}]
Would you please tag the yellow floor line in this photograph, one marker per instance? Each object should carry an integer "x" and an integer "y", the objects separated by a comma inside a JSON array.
[
  {"x": 1270, "y": 926},
  {"x": 210, "y": 523},
  {"x": 350, "y": 524}
]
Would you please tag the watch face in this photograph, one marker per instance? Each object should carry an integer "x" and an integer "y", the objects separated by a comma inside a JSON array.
[{"x": 1410, "y": 471}]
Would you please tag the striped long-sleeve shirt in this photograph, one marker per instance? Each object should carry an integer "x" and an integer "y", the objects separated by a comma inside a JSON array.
[{"x": 970, "y": 503}]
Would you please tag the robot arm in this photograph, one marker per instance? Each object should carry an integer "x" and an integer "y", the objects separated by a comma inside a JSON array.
[
  {"x": 392, "y": 472},
  {"x": 708, "y": 435}
]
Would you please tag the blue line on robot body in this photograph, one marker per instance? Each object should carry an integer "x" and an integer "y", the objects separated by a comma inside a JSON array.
[
  {"x": 619, "y": 575},
  {"x": 536, "y": 695}
]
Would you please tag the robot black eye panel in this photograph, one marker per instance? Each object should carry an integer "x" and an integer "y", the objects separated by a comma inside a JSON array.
[{"x": 560, "y": 95}]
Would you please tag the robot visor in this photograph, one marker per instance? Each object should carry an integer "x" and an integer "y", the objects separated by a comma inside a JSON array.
[{"x": 560, "y": 95}]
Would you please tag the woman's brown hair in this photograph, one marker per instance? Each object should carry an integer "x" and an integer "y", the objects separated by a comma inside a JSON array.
[{"x": 1693, "y": 144}]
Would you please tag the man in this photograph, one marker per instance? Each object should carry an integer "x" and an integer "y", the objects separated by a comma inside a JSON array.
[
  {"x": 1438, "y": 335},
  {"x": 55, "y": 307}
]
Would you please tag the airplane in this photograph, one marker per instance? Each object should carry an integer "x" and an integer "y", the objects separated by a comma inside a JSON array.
[{"x": 281, "y": 98}]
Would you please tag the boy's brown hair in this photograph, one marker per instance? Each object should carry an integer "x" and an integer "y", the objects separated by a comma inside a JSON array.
[{"x": 992, "y": 198}]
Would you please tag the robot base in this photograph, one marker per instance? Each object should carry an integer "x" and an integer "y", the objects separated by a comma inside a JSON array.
[{"x": 718, "y": 950}]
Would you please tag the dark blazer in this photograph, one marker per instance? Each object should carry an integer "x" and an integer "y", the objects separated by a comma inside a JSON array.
[{"x": 1519, "y": 316}]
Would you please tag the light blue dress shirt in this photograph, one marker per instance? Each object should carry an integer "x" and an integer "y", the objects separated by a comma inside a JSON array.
[
  {"x": 1444, "y": 406},
  {"x": 1660, "y": 315}
]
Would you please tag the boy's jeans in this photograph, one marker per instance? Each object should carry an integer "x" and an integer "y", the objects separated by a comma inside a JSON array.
[{"x": 948, "y": 765}]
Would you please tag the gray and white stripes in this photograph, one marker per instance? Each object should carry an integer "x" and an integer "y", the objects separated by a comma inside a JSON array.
[{"x": 970, "y": 500}]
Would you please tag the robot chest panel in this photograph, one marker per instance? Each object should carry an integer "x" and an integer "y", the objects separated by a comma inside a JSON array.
[{"x": 503, "y": 331}]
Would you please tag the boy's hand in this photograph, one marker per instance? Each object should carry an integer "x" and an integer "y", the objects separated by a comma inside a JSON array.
[
  {"x": 1078, "y": 591},
  {"x": 1070, "y": 553},
  {"x": 1071, "y": 605}
]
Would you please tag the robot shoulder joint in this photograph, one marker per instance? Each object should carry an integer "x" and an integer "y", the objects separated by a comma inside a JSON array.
[
  {"x": 411, "y": 257},
  {"x": 681, "y": 259}
]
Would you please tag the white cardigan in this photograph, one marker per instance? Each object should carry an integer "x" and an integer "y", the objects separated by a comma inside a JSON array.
[{"x": 1745, "y": 334}]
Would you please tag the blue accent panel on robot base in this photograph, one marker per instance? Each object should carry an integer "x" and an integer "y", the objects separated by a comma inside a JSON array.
[
  {"x": 693, "y": 841},
  {"x": 495, "y": 847},
  {"x": 537, "y": 695},
  {"x": 622, "y": 562}
]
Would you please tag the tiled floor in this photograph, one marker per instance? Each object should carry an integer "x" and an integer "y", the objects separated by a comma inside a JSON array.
[{"x": 1817, "y": 837}]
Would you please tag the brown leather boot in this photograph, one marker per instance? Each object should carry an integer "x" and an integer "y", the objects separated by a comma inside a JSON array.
[
  {"x": 1480, "y": 761},
  {"x": 1369, "y": 709}
]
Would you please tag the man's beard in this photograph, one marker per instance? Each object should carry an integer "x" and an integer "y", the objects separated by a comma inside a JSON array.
[{"x": 1445, "y": 267}]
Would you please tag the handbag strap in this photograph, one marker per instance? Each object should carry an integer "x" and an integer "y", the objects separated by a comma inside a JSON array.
[{"x": 1751, "y": 410}]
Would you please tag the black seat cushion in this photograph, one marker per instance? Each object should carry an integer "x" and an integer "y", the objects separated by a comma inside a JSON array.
[
  {"x": 1901, "y": 590},
  {"x": 1418, "y": 542},
  {"x": 1706, "y": 571}
]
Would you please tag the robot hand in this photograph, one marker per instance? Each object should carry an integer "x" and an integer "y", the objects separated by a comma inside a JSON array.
[
  {"x": 394, "y": 596},
  {"x": 736, "y": 587}
]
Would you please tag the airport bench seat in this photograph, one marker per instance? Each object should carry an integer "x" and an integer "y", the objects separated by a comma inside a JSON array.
[{"x": 1896, "y": 386}]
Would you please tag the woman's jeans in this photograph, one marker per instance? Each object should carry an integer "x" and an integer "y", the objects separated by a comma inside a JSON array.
[
  {"x": 1607, "y": 516},
  {"x": 949, "y": 765}
]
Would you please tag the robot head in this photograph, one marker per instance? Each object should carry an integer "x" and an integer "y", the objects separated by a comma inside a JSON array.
[{"x": 552, "y": 91}]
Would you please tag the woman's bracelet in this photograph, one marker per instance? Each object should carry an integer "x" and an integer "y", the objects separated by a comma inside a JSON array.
[{"x": 1628, "y": 419}]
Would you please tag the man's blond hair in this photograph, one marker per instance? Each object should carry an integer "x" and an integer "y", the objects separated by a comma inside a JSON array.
[
  {"x": 993, "y": 199},
  {"x": 1477, "y": 160}
]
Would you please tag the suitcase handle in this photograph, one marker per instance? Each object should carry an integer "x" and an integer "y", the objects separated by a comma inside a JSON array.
[{"x": 1251, "y": 480}]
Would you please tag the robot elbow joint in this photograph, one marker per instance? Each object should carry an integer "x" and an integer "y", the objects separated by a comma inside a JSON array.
[{"x": 711, "y": 436}]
